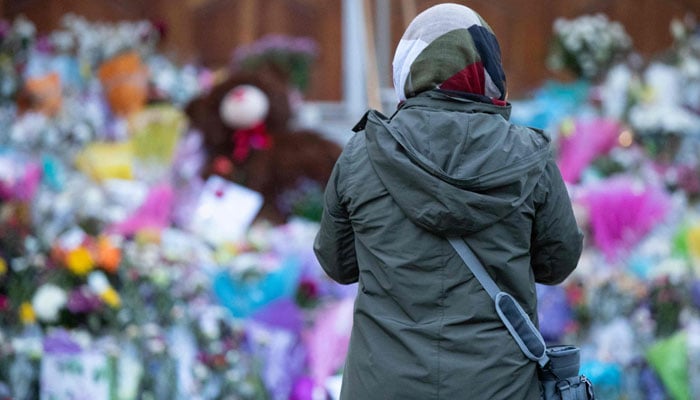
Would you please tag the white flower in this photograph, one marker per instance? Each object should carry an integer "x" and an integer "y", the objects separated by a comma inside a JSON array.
[
  {"x": 98, "y": 283},
  {"x": 246, "y": 262},
  {"x": 209, "y": 322},
  {"x": 48, "y": 301},
  {"x": 677, "y": 29},
  {"x": 592, "y": 40},
  {"x": 690, "y": 67},
  {"x": 29, "y": 345},
  {"x": 24, "y": 27}
]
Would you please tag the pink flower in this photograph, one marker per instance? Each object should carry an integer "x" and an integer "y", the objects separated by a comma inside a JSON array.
[
  {"x": 623, "y": 211},
  {"x": 589, "y": 140}
]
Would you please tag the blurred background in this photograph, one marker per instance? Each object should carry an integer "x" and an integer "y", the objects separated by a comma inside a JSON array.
[
  {"x": 355, "y": 39},
  {"x": 162, "y": 165}
]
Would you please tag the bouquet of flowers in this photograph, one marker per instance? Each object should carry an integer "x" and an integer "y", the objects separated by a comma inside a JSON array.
[
  {"x": 96, "y": 42},
  {"x": 291, "y": 57},
  {"x": 686, "y": 56},
  {"x": 587, "y": 45},
  {"x": 665, "y": 111},
  {"x": 16, "y": 39}
]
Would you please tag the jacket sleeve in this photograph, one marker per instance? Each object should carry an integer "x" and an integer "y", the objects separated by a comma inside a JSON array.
[
  {"x": 557, "y": 241},
  {"x": 334, "y": 245}
]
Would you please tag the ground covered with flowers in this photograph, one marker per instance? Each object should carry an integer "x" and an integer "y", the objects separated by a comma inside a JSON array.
[
  {"x": 627, "y": 140},
  {"x": 123, "y": 275},
  {"x": 120, "y": 278}
]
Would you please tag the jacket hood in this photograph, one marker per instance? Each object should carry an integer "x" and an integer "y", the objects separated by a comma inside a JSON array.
[{"x": 453, "y": 165}]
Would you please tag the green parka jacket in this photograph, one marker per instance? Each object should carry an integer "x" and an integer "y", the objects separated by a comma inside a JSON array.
[{"x": 423, "y": 326}]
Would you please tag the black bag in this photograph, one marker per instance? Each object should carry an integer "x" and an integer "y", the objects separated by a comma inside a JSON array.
[
  {"x": 560, "y": 379},
  {"x": 557, "y": 366}
]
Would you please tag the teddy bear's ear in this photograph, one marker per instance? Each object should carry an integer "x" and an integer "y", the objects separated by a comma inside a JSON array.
[
  {"x": 195, "y": 111},
  {"x": 204, "y": 117}
]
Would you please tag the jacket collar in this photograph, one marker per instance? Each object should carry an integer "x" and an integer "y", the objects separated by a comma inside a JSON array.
[{"x": 451, "y": 101}]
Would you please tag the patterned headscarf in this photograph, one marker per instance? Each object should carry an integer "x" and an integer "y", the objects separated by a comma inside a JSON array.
[{"x": 449, "y": 46}]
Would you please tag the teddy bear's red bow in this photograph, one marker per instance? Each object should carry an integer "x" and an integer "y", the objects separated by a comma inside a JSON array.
[{"x": 245, "y": 140}]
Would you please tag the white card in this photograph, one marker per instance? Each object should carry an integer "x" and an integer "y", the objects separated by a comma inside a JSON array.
[
  {"x": 224, "y": 211},
  {"x": 79, "y": 376}
]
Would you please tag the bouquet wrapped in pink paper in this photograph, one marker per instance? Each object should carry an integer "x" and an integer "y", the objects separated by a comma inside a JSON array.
[
  {"x": 622, "y": 211},
  {"x": 153, "y": 214},
  {"x": 19, "y": 177},
  {"x": 588, "y": 140}
]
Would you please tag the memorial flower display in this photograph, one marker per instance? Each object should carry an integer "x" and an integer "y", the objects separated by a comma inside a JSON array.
[{"x": 121, "y": 277}]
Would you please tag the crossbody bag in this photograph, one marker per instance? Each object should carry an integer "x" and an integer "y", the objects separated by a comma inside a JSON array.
[{"x": 557, "y": 366}]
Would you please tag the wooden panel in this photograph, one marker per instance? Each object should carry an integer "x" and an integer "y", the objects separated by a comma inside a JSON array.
[
  {"x": 208, "y": 31},
  {"x": 524, "y": 29},
  {"x": 46, "y": 14},
  {"x": 220, "y": 26}
]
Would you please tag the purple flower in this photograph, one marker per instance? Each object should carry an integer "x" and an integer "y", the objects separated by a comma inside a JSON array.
[
  {"x": 554, "y": 312},
  {"x": 651, "y": 384},
  {"x": 282, "y": 355},
  {"x": 695, "y": 293},
  {"x": 276, "y": 45},
  {"x": 82, "y": 301},
  {"x": 44, "y": 45},
  {"x": 306, "y": 389},
  {"x": 281, "y": 314},
  {"x": 688, "y": 179},
  {"x": 4, "y": 29},
  {"x": 60, "y": 342}
]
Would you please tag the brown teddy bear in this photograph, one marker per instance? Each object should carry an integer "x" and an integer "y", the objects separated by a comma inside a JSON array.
[{"x": 245, "y": 122}]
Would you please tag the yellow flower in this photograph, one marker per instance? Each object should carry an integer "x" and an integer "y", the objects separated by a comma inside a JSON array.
[
  {"x": 148, "y": 235},
  {"x": 26, "y": 313},
  {"x": 648, "y": 94},
  {"x": 98, "y": 284},
  {"x": 226, "y": 252},
  {"x": 567, "y": 127},
  {"x": 111, "y": 297},
  {"x": 694, "y": 241},
  {"x": 3, "y": 266},
  {"x": 79, "y": 261}
]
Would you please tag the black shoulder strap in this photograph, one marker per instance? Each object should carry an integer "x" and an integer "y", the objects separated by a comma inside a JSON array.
[
  {"x": 473, "y": 263},
  {"x": 516, "y": 320}
]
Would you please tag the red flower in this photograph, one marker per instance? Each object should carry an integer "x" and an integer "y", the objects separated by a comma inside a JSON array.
[{"x": 308, "y": 288}]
